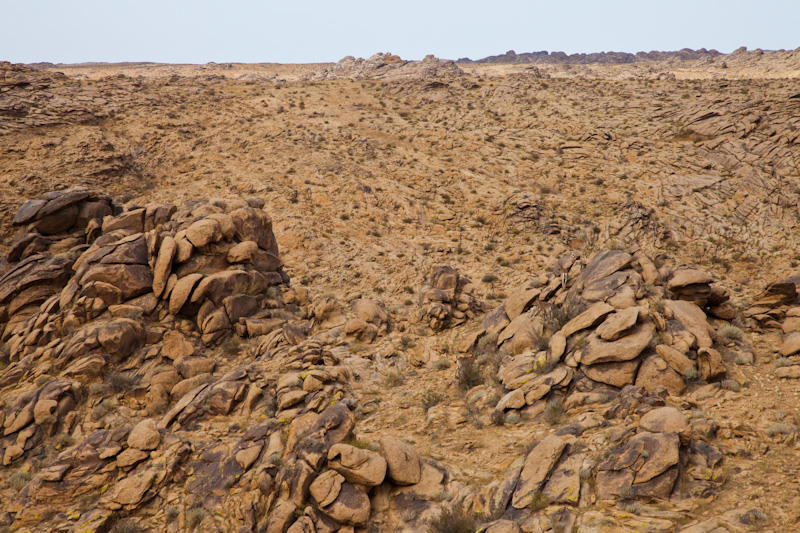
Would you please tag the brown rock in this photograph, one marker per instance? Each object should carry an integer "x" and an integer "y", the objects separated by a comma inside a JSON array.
[
  {"x": 538, "y": 464},
  {"x": 589, "y": 318},
  {"x": 163, "y": 265},
  {"x": 693, "y": 319},
  {"x": 326, "y": 487},
  {"x": 144, "y": 436},
  {"x": 675, "y": 359},
  {"x": 682, "y": 278},
  {"x": 710, "y": 364},
  {"x": 244, "y": 252},
  {"x": 358, "y": 466},
  {"x": 176, "y": 345},
  {"x": 625, "y": 349},
  {"x": 204, "y": 232},
  {"x": 403, "y": 462},
  {"x": 618, "y": 324},
  {"x": 655, "y": 372},
  {"x": 664, "y": 420},
  {"x": 182, "y": 291},
  {"x": 616, "y": 374}
]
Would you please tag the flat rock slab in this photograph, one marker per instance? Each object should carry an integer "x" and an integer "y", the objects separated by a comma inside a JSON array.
[
  {"x": 538, "y": 464},
  {"x": 616, "y": 325},
  {"x": 625, "y": 349},
  {"x": 688, "y": 276}
]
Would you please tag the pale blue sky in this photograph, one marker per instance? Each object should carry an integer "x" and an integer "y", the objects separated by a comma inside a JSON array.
[{"x": 199, "y": 31}]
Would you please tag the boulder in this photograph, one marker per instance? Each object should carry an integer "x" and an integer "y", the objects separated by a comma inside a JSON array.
[
  {"x": 403, "y": 461},
  {"x": 618, "y": 324},
  {"x": 538, "y": 464},
  {"x": 624, "y": 349},
  {"x": 144, "y": 436},
  {"x": 358, "y": 466}
]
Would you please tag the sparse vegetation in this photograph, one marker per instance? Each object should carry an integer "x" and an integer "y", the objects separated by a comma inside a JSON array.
[{"x": 454, "y": 521}]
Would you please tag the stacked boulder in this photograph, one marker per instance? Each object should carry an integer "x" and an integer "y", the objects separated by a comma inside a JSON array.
[
  {"x": 660, "y": 454},
  {"x": 447, "y": 298},
  {"x": 595, "y": 327},
  {"x": 777, "y": 308}
]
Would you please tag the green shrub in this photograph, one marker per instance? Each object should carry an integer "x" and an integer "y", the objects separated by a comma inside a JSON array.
[{"x": 454, "y": 521}]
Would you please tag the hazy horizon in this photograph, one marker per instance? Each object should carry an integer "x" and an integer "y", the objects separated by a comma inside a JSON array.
[{"x": 247, "y": 31}]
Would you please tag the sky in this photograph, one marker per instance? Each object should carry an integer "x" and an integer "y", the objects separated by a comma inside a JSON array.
[{"x": 289, "y": 31}]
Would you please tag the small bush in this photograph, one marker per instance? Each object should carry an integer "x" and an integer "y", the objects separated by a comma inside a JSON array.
[
  {"x": 64, "y": 441},
  {"x": 627, "y": 493},
  {"x": 171, "y": 513},
  {"x": 362, "y": 444},
  {"x": 468, "y": 374},
  {"x": 783, "y": 361},
  {"x": 431, "y": 398},
  {"x": 18, "y": 480},
  {"x": 118, "y": 382},
  {"x": 631, "y": 507},
  {"x": 441, "y": 364},
  {"x": 230, "y": 347},
  {"x": 394, "y": 377},
  {"x": 731, "y": 384},
  {"x": 691, "y": 374},
  {"x": 454, "y": 521},
  {"x": 729, "y": 334},
  {"x": 512, "y": 419},
  {"x": 781, "y": 429},
  {"x": 407, "y": 342},
  {"x": 194, "y": 516},
  {"x": 553, "y": 412},
  {"x": 127, "y": 526}
]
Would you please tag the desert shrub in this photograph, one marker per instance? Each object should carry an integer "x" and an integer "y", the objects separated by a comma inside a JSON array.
[
  {"x": 441, "y": 364},
  {"x": 487, "y": 343},
  {"x": 18, "y": 480},
  {"x": 118, "y": 382},
  {"x": 781, "y": 429},
  {"x": 171, "y": 513},
  {"x": 729, "y": 334},
  {"x": 127, "y": 526},
  {"x": 468, "y": 373},
  {"x": 454, "y": 521},
  {"x": 64, "y": 441},
  {"x": 230, "y": 347},
  {"x": 194, "y": 516},
  {"x": 394, "y": 377},
  {"x": 731, "y": 384},
  {"x": 431, "y": 398},
  {"x": 553, "y": 412},
  {"x": 512, "y": 418},
  {"x": 362, "y": 444}
]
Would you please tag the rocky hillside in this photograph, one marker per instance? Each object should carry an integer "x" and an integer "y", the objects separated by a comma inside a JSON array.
[
  {"x": 560, "y": 58},
  {"x": 397, "y": 296}
]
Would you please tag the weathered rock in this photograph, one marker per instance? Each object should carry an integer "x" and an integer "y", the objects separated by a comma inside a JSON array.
[
  {"x": 326, "y": 487},
  {"x": 358, "y": 466},
  {"x": 664, "y": 420},
  {"x": 675, "y": 359},
  {"x": 625, "y": 349},
  {"x": 693, "y": 319},
  {"x": 589, "y": 318},
  {"x": 710, "y": 364},
  {"x": 655, "y": 372},
  {"x": 163, "y": 265},
  {"x": 684, "y": 277},
  {"x": 618, "y": 324},
  {"x": 538, "y": 464},
  {"x": 144, "y": 435},
  {"x": 403, "y": 462},
  {"x": 616, "y": 374}
]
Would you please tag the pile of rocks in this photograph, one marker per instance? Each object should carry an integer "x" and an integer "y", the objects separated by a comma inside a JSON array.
[
  {"x": 388, "y": 66},
  {"x": 597, "y": 326},
  {"x": 776, "y": 308},
  {"x": 658, "y": 454},
  {"x": 447, "y": 298},
  {"x": 32, "y": 97}
]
